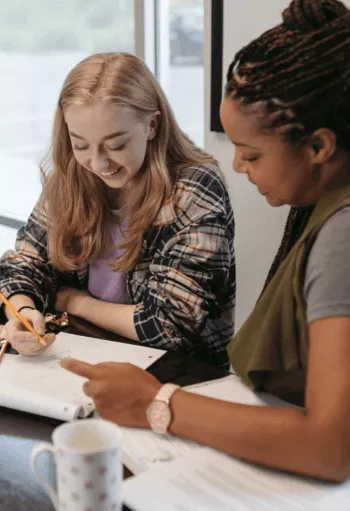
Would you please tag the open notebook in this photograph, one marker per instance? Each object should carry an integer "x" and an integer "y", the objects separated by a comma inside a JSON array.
[
  {"x": 39, "y": 385},
  {"x": 144, "y": 450}
]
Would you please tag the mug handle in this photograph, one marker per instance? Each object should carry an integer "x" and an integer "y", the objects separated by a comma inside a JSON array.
[{"x": 50, "y": 490}]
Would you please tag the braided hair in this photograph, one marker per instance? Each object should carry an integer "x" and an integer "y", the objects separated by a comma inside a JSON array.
[
  {"x": 298, "y": 75},
  {"x": 296, "y": 222}
]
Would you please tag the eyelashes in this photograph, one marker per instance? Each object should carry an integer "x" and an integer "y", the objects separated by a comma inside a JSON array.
[
  {"x": 84, "y": 148},
  {"x": 253, "y": 158},
  {"x": 119, "y": 148},
  {"x": 76, "y": 148}
]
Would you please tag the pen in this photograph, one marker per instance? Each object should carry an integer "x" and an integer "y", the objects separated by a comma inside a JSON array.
[{"x": 21, "y": 318}]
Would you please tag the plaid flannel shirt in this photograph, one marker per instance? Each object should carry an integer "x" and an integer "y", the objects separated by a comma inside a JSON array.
[{"x": 183, "y": 284}]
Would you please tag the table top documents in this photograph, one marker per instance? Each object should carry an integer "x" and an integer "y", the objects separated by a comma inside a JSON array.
[{"x": 178, "y": 475}]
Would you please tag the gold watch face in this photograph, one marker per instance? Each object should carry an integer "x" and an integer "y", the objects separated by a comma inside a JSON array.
[{"x": 159, "y": 416}]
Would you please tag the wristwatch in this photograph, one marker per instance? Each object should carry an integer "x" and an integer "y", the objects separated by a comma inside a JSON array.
[{"x": 159, "y": 413}]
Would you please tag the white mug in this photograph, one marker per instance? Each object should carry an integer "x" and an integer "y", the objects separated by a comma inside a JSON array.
[{"x": 88, "y": 456}]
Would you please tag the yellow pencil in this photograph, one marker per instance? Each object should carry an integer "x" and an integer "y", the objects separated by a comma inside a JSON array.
[{"x": 21, "y": 318}]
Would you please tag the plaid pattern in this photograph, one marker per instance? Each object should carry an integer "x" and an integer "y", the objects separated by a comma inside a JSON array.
[{"x": 184, "y": 282}]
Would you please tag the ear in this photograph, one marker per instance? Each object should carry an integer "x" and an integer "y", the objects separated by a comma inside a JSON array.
[
  {"x": 322, "y": 146},
  {"x": 153, "y": 125}
]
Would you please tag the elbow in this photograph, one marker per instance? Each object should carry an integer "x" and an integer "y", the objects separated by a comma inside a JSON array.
[
  {"x": 332, "y": 459},
  {"x": 325, "y": 468},
  {"x": 337, "y": 472},
  {"x": 338, "y": 456},
  {"x": 334, "y": 474}
]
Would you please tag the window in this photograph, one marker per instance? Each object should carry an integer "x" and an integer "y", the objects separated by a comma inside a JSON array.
[
  {"x": 40, "y": 41},
  {"x": 181, "y": 62}
]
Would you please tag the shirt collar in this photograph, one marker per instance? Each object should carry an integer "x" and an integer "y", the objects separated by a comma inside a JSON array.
[{"x": 166, "y": 214}]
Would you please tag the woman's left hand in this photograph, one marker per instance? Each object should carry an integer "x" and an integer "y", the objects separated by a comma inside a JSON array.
[
  {"x": 69, "y": 299},
  {"x": 121, "y": 392}
]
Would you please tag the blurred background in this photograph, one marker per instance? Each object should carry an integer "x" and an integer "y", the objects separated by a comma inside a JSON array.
[{"x": 41, "y": 40}]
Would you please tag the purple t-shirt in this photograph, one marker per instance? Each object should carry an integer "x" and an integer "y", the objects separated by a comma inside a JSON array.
[{"x": 105, "y": 283}]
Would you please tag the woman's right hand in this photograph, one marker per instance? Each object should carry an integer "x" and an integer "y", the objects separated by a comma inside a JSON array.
[{"x": 24, "y": 341}]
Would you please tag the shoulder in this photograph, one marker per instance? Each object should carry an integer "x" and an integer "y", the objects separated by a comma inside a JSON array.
[
  {"x": 38, "y": 220},
  {"x": 334, "y": 233},
  {"x": 202, "y": 177},
  {"x": 327, "y": 276},
  {"x": 200, "y": 190}
]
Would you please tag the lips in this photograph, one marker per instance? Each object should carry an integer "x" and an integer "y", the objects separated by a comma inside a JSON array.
[
  {"x": 109, "y": 173},
  {"x": 255, "y": 184}
]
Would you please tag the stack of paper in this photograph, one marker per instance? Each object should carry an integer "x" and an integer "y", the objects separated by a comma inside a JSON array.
[{"x": 211, "y": 481}]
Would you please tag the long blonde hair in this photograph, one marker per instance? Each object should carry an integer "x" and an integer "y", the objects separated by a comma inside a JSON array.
[{"x": 76, "y": 201}]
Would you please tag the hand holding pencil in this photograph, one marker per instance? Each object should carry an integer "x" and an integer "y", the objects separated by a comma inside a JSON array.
[{"x": 26, "y": 330}]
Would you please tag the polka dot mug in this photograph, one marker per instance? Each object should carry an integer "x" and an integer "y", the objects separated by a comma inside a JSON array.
[{"x": 88, "y": 458}]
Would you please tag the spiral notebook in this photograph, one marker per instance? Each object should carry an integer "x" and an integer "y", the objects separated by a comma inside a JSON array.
[{"x": 40, "y": 386}]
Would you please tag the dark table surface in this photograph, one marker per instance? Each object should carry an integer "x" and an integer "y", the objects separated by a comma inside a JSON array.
[{"x": 21, "y": 432}]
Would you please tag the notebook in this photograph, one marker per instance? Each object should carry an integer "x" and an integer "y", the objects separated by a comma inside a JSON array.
[
  {"x": 39, "y": 385},
  {"x": 144, "y": 450}
]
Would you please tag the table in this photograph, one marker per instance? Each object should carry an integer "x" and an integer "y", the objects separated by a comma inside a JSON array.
[{"x": 21, "y": 432}]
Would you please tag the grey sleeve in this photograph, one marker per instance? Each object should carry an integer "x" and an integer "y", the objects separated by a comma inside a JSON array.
[{"x": 327, "y": 278}]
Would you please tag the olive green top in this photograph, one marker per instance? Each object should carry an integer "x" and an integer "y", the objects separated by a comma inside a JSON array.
[{"x": 270, "y": 351}]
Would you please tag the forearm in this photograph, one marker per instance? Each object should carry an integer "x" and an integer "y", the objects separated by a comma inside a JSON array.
[
  {"x": 113, "y": 317},
  {"x": 277, "y": 437},
  {"x": 19, "y": 301}
]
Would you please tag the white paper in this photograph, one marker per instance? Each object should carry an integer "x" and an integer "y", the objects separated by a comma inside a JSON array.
[
  {"x": 144, "y": 449},
  {"x": 41, "y": 386},
  {"x": 211, "y": 481},
  {"x": 234, "y": 390},
  {"x": 29, "y": 386},
  {"x": 95, "y": 351}
]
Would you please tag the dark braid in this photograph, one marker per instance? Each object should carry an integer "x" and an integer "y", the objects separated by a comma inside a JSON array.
[
  {"x": 298, "y": 75},
  {"x": 310, "y": 16},
  {"x": 304, "y": 63},
  {"x": 295, "y": 225}
]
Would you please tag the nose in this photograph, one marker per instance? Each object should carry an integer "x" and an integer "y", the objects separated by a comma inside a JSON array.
[
  {"x": 239, "y": 166},
  {"x": 98, "y": 162}
]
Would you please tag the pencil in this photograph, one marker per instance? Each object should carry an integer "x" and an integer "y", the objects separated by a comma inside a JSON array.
[
  {"x": 21, "y": 318},
  {"x": 4, "y": 345}
]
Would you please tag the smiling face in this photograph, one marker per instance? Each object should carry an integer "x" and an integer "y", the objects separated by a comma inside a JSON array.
[
  {"x": 282, "y": 171},
  {"x": 109, "y": 141}
]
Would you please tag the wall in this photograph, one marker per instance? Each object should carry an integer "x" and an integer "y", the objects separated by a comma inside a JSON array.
[{"x": 259, "y": 227}]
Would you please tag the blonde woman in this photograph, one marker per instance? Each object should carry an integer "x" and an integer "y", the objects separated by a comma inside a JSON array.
[{"x": 134, "y": 230}]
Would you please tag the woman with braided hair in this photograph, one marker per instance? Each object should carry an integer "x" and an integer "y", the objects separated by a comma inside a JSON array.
[{"x": 287, "y": 111}]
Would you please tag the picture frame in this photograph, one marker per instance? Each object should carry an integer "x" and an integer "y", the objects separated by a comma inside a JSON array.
[{"x": 216, "y": 73}]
